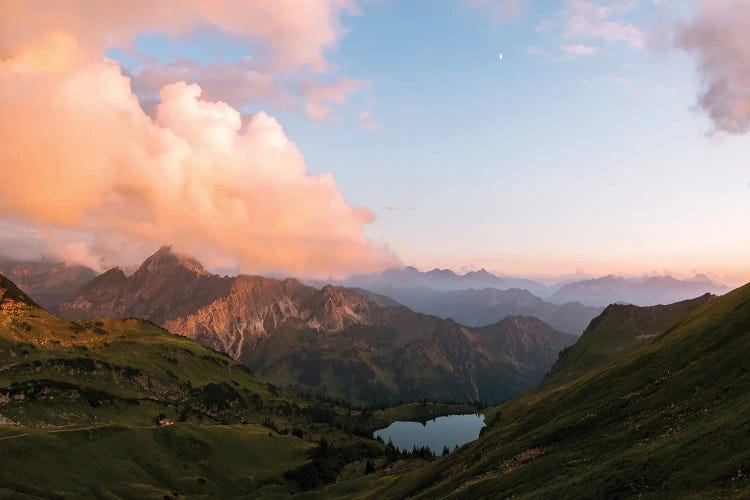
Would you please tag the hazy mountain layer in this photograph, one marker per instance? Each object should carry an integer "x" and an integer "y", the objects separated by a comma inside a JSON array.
[
  {"x": 638, "y": 291},
  {"x": 490, "y": 305},
  {"x": 441, "y": 280},
  {"x": 48, "y": 282}
]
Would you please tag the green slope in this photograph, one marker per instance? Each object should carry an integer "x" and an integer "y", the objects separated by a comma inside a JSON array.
[
  {"x": 619, "y": 330},
  {"x": 423, "y": 358},
  {"x": 79, "y": 403},
  {"x": 671, "y": 419},
  {"x": 129, "y": 462}
]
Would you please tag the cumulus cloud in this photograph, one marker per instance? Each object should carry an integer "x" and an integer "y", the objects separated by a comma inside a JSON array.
[
  {"x": 239, "y": 83},
  {"x": 236, "y": 83},
  {"x": 289, "y": 34},
  {"x": 98, "y": 178},
  {"x": 286, "y": 39},
  {"x": 719, "y": 40}
]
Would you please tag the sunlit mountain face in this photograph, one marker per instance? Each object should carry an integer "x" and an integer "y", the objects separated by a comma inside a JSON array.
[{"x": 238, "y": 237}]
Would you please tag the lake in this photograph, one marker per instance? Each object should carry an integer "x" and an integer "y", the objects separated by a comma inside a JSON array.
[{"x": 447, "y": 431}]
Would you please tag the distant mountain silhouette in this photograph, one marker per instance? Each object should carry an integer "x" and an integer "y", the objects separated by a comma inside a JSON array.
[
  {"x": 442, "y": 280},
  {"x": 489, "y": 305},
  {"x": 645, "y": 291},
  {"x": 48, "y": 282}
]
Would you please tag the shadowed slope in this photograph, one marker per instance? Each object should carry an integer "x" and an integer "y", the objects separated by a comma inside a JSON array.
[
  {"x": 619, "y": 330},
  {"x": 47, "y": 282}
]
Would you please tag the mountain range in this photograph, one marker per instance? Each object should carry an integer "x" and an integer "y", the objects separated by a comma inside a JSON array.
[
  {"x": 478, "y": 307},
  {"x": 484, "y": 297},
  {"x": 332, "y": 340},
  {"x": 597, "y": 292},
  {"x": 442, "y": 280},
  {"x": 481, "y": 298}
]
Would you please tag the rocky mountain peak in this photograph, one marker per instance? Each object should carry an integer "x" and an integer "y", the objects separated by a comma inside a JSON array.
[
  {"x": 165, "y": 260},
  {"x": 482, "y": 274}
]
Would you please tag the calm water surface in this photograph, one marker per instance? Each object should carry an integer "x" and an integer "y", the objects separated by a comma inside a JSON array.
[{"x": 450, "y": 431}]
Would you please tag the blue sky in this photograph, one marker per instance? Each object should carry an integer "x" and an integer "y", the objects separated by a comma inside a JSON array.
[{"x": 581, "y": 151}]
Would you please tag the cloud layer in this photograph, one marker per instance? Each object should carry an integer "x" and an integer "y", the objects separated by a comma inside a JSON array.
[
  {"x": 719, "y": 39},
  {"x": 288, "y": 34},
  {"x": 83, "y": 163}
]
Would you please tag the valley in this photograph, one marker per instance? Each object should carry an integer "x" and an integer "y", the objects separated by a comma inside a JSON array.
[{"x": 158, "y": 414}]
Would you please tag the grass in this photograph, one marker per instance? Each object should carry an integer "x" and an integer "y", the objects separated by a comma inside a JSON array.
[
  {"x": 619, "y": 330},
  {"x": 190, "y": 459}
]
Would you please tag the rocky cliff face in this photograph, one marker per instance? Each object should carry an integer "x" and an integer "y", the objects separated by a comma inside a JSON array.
[
  {"x": 254, "y": 307},
  {"x": 332, "y": 340},
  {"x": 166, "y": 286},
  {"x": 230, "y": 314}
]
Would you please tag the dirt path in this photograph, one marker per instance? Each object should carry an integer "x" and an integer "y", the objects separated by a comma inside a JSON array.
[{"x": 56, "y": 431}]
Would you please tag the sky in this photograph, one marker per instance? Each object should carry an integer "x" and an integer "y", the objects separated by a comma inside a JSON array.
[{"x": 329, "y": 137}]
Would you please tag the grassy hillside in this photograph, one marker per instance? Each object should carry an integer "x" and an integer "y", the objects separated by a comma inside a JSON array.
[
  {"x": 619, "y": 330},
  {"x": 671, "y": 419},
  {"x": 80, "y": 401}
]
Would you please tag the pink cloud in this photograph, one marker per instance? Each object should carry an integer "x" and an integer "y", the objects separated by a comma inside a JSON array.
[
  {"x": 320, "y": 95},
  {"x": 84, "y": 164},
  {"x": 236, "y": 83},
  {"x": 719, "y": 40},
  {"x": 290, "y": 34},
  {"x": 587, "y": 20},
  {"x": 289, "y": 40}
]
